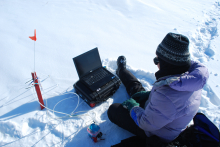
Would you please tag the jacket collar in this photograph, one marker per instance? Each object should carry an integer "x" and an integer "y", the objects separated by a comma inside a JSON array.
[{"x": 167, "y": 80}]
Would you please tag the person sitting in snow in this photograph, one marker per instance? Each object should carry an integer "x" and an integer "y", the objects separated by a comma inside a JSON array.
[{"x": 174, "y": 100}]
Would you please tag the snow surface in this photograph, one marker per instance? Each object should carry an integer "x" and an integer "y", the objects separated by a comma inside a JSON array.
[{"x": 65, "y": 29}]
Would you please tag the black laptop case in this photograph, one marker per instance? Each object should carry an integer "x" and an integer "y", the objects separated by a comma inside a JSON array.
[{"x": 88, "y": 65}]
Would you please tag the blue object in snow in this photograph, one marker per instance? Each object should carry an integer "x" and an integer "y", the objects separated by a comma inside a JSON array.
[{"x": 94, "y": 132}]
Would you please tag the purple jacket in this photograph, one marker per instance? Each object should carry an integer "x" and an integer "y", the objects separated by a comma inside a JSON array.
[{"x": 172, "y": 104}]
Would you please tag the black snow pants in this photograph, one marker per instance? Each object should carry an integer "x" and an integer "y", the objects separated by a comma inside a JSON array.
[{"x": 121, "y": 116}]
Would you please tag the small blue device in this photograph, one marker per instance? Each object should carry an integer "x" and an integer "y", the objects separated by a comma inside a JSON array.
[{"x": 94, "y": 132}]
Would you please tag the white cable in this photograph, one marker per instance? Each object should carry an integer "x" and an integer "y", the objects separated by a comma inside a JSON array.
[
  {"x": 54, "y": 106},
  {"x": 66, "y": 115},
  {"x": 54, "y": 110}
]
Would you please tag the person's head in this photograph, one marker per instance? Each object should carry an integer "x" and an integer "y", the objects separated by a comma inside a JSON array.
[{"x": 173, "y": 53}]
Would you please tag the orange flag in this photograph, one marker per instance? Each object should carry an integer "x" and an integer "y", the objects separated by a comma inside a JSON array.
[{"x": 33, "y": 37}]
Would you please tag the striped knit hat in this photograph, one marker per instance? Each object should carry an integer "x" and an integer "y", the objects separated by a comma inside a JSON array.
[{"x": 174, "y": 49}]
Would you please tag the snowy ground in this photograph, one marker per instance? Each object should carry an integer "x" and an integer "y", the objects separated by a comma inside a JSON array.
[{"x": 65, "y": 29}]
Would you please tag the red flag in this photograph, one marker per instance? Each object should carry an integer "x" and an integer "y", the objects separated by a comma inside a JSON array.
[{"x": 34, "y": 37}]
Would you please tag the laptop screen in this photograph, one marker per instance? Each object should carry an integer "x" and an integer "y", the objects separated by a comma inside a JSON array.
[{"x": 87, "y": 62}]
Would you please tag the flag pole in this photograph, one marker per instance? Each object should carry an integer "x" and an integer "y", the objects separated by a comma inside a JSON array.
[
  {"x": 34, "y": 56},
  {"x": 34, "y": 76}
]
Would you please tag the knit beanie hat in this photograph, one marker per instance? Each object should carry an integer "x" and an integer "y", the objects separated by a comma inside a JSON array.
[{"x": 174, "y": 49}]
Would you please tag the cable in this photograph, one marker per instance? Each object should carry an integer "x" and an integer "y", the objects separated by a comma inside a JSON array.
[
  {"x": 57, "y": 111},
  {"x": 72, "y": 114}
]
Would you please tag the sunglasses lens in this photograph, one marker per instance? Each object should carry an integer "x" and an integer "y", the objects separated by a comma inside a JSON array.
[{"x": 156, "y": 61}]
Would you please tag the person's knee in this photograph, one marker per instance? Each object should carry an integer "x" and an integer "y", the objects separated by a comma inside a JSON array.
[
  {"x": 109, "y": 112},
  {"x": 112, "y": 111}
]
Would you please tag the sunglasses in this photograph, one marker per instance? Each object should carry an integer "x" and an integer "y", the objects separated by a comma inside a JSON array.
[{"x": 156, "y": 61}]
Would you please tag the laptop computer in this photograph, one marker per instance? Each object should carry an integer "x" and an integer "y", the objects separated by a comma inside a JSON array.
[{"x": 90, "y": 70}]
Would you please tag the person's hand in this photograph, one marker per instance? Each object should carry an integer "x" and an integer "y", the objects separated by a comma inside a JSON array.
[
  {"x": 141, "y": 96},
  {"x": 129, "y": 104}
]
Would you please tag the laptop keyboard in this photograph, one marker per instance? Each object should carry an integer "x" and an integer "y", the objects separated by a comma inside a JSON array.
[{"x": 96, "y": 76}]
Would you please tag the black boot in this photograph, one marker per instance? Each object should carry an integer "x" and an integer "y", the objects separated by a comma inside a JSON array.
[{"x": 121, "y": 62}]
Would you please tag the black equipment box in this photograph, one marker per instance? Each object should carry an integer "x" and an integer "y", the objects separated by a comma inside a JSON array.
[{"x": 102, "y": 94}]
